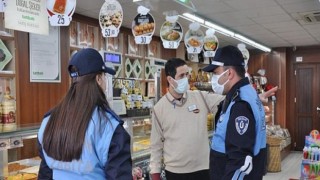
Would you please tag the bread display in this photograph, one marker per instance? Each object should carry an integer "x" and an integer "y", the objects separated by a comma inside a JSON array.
[
  {"x": 25, "y": 176},
  {"x": 12, "y": 167}
]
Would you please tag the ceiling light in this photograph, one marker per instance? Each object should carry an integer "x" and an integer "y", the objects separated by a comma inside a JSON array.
[
  {"x": 194, "y": 17},
  {"x": 219, "y": 28},
  {"x": 244, "y": 39},
  {"x": 252, "y": 43},
  {"x": 224, "y": 31}
]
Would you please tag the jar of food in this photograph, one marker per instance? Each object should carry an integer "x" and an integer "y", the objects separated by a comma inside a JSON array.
[{"x": 8, "y": 114}]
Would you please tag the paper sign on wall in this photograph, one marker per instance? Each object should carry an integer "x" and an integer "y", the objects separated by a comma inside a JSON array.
[{"x": 27, "y": 16}]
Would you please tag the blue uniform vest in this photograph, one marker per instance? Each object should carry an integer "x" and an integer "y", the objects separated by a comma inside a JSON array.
[
  {"x": 248, "y": 94},
  {"x": 94, "y": 153}
]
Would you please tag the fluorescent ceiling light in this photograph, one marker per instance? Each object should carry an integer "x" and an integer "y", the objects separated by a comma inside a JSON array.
[
  {"x": 224, "y": 31},
  {"x": 252, "y": 43},
  {"x": 244, "y": 39},
  {"x": 193, "y": 17},
  {"x": 219, "y": 28}
]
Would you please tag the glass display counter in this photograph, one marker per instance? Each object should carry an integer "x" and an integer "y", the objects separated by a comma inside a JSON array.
[
  {"x": 11, "y": 140},
  {"x": 139, "y": 129}
]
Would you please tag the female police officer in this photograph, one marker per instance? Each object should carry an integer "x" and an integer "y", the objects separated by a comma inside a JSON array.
[{"x": 82, "y": 138}]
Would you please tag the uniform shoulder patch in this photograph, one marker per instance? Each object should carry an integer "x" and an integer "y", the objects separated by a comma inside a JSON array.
[{"x": 242, "y": 124}]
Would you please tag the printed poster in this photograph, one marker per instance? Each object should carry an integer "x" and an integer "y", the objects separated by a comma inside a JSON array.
[{"x": 27, "y": 16}]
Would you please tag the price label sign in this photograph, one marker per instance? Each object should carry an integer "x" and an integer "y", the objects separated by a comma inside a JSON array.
[
  {"x": 143, "y": 39},
  {"x": 209, "y": 53},
  {"x": 16, "y": 142},
  {"x": 110, "y": 18},
  {"x": 170, "y": 44},
  {"x": 4, "y": 144},
  {"x": 194, "y": 50},
  {"x": 60, "y": 12},
  {"x": 59, "y": 20},
  {"x": 111, "y": 31}
]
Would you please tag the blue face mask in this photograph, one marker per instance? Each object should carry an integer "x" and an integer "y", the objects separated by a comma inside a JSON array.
[
  {"x": 216, "y": 87},
  {"x": 182, "y": 85}
]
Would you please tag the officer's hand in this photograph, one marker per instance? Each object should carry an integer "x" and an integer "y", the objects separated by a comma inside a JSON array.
[
  {"x": 155, "y": 176},
  {"x": 264, "y": 96},
  {"x": 247, "y": 167}
]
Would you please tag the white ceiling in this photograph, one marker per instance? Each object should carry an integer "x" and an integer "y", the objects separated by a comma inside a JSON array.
[{"x": 274, "y": 23}]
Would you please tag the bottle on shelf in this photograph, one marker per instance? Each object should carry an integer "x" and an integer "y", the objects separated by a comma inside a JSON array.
[{"x": 8, "y": 115}]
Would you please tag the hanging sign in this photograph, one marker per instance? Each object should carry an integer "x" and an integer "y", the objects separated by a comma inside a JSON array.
[
  {"x": 171, "y": 33},
  {"x": 143, "y": 26},
  {"x": 3, "y": 4},
  {"x": 110, "y": 18},
  {"x": 211, "y": 43},
  {"x": 27, "y": 16},
  {"x": 60, "y": 11},
  {"x": 193, "y": 39},
  {"x": 245, "y": 53}
]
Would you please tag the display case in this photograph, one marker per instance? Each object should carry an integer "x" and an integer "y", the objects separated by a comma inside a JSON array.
[
  {"x": 8, "y": 115},
  {"x": 139, "y": 129},
  {"x": 13, "y": 167}
]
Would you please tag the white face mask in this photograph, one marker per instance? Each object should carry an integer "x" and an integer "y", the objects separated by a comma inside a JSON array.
[
  {"x": 183, "y": 85},
  {"x": 216, "y": 87}
]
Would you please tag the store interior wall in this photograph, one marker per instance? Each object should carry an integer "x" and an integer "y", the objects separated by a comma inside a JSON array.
[{"x": 35, "y": 99}]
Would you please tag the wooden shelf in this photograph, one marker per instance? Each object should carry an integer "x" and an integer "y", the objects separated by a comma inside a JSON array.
[
  {"x": 75, "y": 48},
  {"x": 8, "y": 38},
  {"x": 10, "y": 74},
  {"x": 132, "y": 56}
]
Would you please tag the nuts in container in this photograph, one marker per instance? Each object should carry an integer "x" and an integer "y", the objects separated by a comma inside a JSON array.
[
  {"x": 111, "y": 19},
  {"x": 111, "y": 14},
  {"x": 143, "y": 29},
  {"x": 143, "y": 25}
]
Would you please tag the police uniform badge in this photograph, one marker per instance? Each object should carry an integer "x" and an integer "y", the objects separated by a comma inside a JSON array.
[{"x": 242, "y": 124}]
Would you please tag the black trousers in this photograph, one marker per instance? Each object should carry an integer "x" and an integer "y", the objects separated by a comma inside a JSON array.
[{"x": 198, "y": 175}]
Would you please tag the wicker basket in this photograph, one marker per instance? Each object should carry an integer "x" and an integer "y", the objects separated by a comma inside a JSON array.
[{"x": 274, "y": 164}]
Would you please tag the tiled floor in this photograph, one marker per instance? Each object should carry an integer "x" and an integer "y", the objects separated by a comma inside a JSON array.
[{"x": 290, "y": 168}]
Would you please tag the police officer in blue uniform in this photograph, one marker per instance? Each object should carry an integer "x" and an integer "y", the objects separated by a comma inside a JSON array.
[
  {"x": 81, "y": 137},
  {"x": 238, "y": 146}
]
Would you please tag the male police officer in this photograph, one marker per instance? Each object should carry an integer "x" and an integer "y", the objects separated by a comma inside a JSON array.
[{"x": 238, "y": 147}]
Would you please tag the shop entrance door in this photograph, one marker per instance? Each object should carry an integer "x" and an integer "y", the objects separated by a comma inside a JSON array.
[{"x": 307, "y": 101}]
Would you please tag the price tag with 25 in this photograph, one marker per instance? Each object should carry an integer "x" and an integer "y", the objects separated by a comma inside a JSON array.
[{"x": 59, "y": 20}]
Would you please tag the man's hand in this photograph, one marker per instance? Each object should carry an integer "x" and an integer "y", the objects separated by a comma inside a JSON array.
[
  {"x": 155, "y": 176},
  {"x": 264, "y": 96}
]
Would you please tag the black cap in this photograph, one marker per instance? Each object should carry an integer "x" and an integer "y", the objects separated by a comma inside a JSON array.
[
  {"x": 226, "y": 56},
  {"x": 88, "y": 61}
]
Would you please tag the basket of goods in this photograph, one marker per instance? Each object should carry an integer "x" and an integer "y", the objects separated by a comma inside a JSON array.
[{"x": 274, "y": 162}]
